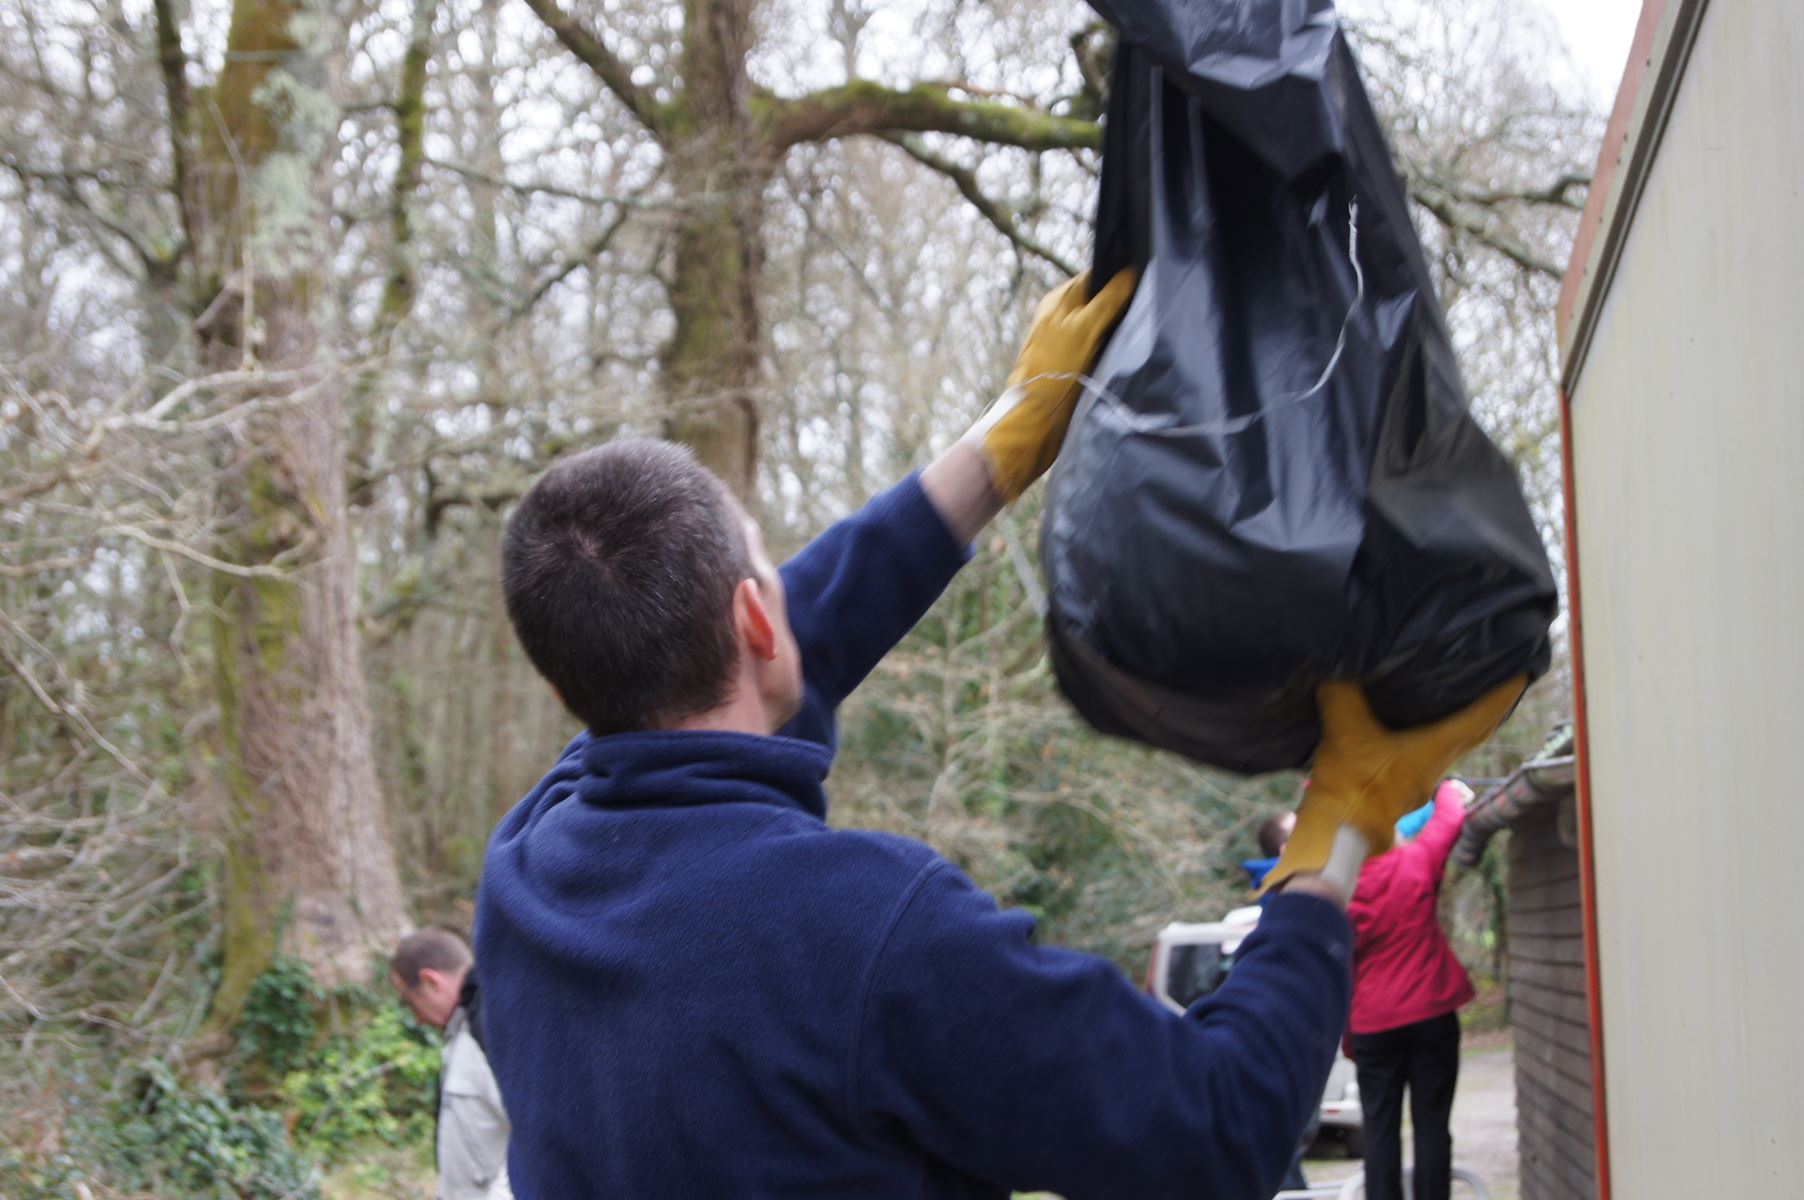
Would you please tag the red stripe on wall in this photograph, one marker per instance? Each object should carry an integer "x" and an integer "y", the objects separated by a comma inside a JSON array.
[
  {"x": 1615, "y": 149},
  {"x": 1587, "y": 863}
]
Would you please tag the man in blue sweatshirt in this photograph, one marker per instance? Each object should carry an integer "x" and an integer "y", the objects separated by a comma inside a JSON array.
[{"x": 697, "y": 988}]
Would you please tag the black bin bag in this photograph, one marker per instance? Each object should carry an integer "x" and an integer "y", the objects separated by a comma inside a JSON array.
[{"x": 1272, "y": 479}]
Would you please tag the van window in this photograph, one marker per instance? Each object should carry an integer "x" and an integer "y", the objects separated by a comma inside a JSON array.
[{"x": 1196, "y": 970}]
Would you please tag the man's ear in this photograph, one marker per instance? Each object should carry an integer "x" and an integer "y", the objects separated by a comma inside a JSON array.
[{"x": 751, "y": 620}]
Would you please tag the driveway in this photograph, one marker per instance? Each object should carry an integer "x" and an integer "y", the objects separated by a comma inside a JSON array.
[{"x": 1484, "y": 1124}]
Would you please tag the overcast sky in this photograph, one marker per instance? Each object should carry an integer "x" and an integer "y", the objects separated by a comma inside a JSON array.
[{"x": 1599, "y": 32}]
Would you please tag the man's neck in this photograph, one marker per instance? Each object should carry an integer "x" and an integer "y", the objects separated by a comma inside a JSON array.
[{"x": 744, "y": 712}]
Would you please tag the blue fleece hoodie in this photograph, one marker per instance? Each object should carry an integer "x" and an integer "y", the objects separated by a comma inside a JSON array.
[{"x": 695, "y": 988}]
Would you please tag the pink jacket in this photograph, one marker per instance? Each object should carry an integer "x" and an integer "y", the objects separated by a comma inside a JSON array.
[{"x": 1403, "y": 969}]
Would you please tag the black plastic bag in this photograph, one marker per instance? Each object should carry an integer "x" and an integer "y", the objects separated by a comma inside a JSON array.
[{"x": 1274, "y": 479}]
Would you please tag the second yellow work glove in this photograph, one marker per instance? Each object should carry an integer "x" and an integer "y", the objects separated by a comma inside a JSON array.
[
  {"x": 1366, "y": 776},
  {"x": 1021, "y": 433}
]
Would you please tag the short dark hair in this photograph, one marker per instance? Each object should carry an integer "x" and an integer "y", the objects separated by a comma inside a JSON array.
[
  {"x": 1272, "y": 836},
  {"x": 618, "y": 569},
  {"x": 438, "y": 949}
]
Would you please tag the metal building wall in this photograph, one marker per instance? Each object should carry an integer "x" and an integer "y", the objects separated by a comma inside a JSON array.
[
  {"x": 1687, "y": 443},
  {"x": 1548, "y": 1014}
]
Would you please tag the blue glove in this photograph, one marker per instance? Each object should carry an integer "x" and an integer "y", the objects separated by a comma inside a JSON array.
[
  {"x": 1257, "y": 869},
  {"x": 1412, "y": 823}
]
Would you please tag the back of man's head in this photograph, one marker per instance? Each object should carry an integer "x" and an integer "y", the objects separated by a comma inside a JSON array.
[
  {"x": 429, "y": 949},
  {"x": 1274, "y": 831},
  {"x": 618, "y": 569}
]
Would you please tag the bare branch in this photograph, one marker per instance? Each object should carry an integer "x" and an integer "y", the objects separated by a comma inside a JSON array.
[
  {"x": 175, "y": 91},
  {"x": 593, "y": 249},
  {"x": 1557, "y": 193},
  {"x": 410, "y": 120},
  {"x": 399, "y": 287},
  {"x": 595, "y": 54},
  {"x": 65, "y": 712},
  {"x": 492, "y": 497},
  {"x": 242, "y": 570},
  {"x": 1091, "y": 47},
  {"x": 863, "y": 107},
  {"x": 530, "y": 188},
  {"x": 588, "y": 254},
  {"x": 64, "y": 184},
  {"x": 993, "y": 211},
  {"x": 1444, "y": 210}
]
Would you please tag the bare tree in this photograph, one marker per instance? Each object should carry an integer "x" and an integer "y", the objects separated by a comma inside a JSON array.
[
  {"x": 1495, "y": 144},
  {"x": 724, "y": 137},
  {"x": 219, "y": 228},
  {"x": 310, "y": 863},
  {"x": 294, "y": 331}
]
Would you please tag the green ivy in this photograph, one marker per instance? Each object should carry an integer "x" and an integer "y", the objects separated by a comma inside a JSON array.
[
  {"x": 340, "y": 1077},
  {"x": 175, "y": 1139},
  {"x": 378, "y": 1081},
  {"x": 276, "y": 1031}
]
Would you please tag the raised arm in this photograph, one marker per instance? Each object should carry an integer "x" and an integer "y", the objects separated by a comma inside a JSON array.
[
  {"x": 1437, "y": 837},
  {"x": 856, "y": 590},
  {"x": 1015, "y": 442},
  {"x": 1038, "y": 1068}
]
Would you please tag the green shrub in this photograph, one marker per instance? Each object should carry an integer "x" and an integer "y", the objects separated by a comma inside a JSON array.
[
  {"x": 377, "y": 1081},
  {"x": 346, "y": 1076},
  {"x": 1489, "y": 1010},
  {"x": 276, "y": 1031},
  {"x": 181, "y": 1139}
]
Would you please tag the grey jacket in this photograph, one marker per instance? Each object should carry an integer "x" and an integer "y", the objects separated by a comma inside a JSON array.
[{"x": 472, "y": 1124}]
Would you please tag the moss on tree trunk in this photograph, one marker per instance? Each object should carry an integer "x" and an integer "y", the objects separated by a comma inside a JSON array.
[{"x": 310, "y": 868}]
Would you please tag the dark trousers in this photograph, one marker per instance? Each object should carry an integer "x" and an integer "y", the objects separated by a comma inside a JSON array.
[{"x": 1425, "y": 1058}]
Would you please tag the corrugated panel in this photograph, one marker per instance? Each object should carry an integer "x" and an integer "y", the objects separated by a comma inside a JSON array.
[
  {"x": 1548, "y": 1014},
  {"x": 1553, "y": 1167},
  {"x": 1688, "y": 449}
]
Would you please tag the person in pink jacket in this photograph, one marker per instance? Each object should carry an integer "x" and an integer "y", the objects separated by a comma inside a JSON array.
[{"x": 1407, "y": 990}]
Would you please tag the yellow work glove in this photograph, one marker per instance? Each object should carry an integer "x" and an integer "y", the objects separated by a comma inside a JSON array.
[
  {"x": 1021, "y": 433},
  {"x": 1366, "y": 777}
]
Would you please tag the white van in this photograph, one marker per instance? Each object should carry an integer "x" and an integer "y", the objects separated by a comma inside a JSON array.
[{"x": 1190, "y": 961}]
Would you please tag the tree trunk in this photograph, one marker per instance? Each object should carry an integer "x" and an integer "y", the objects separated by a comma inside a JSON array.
[
  {"x": 720, "y": 164},
  {"x": 310, "y": 866},
  {"x": 723, "y": 139}
]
